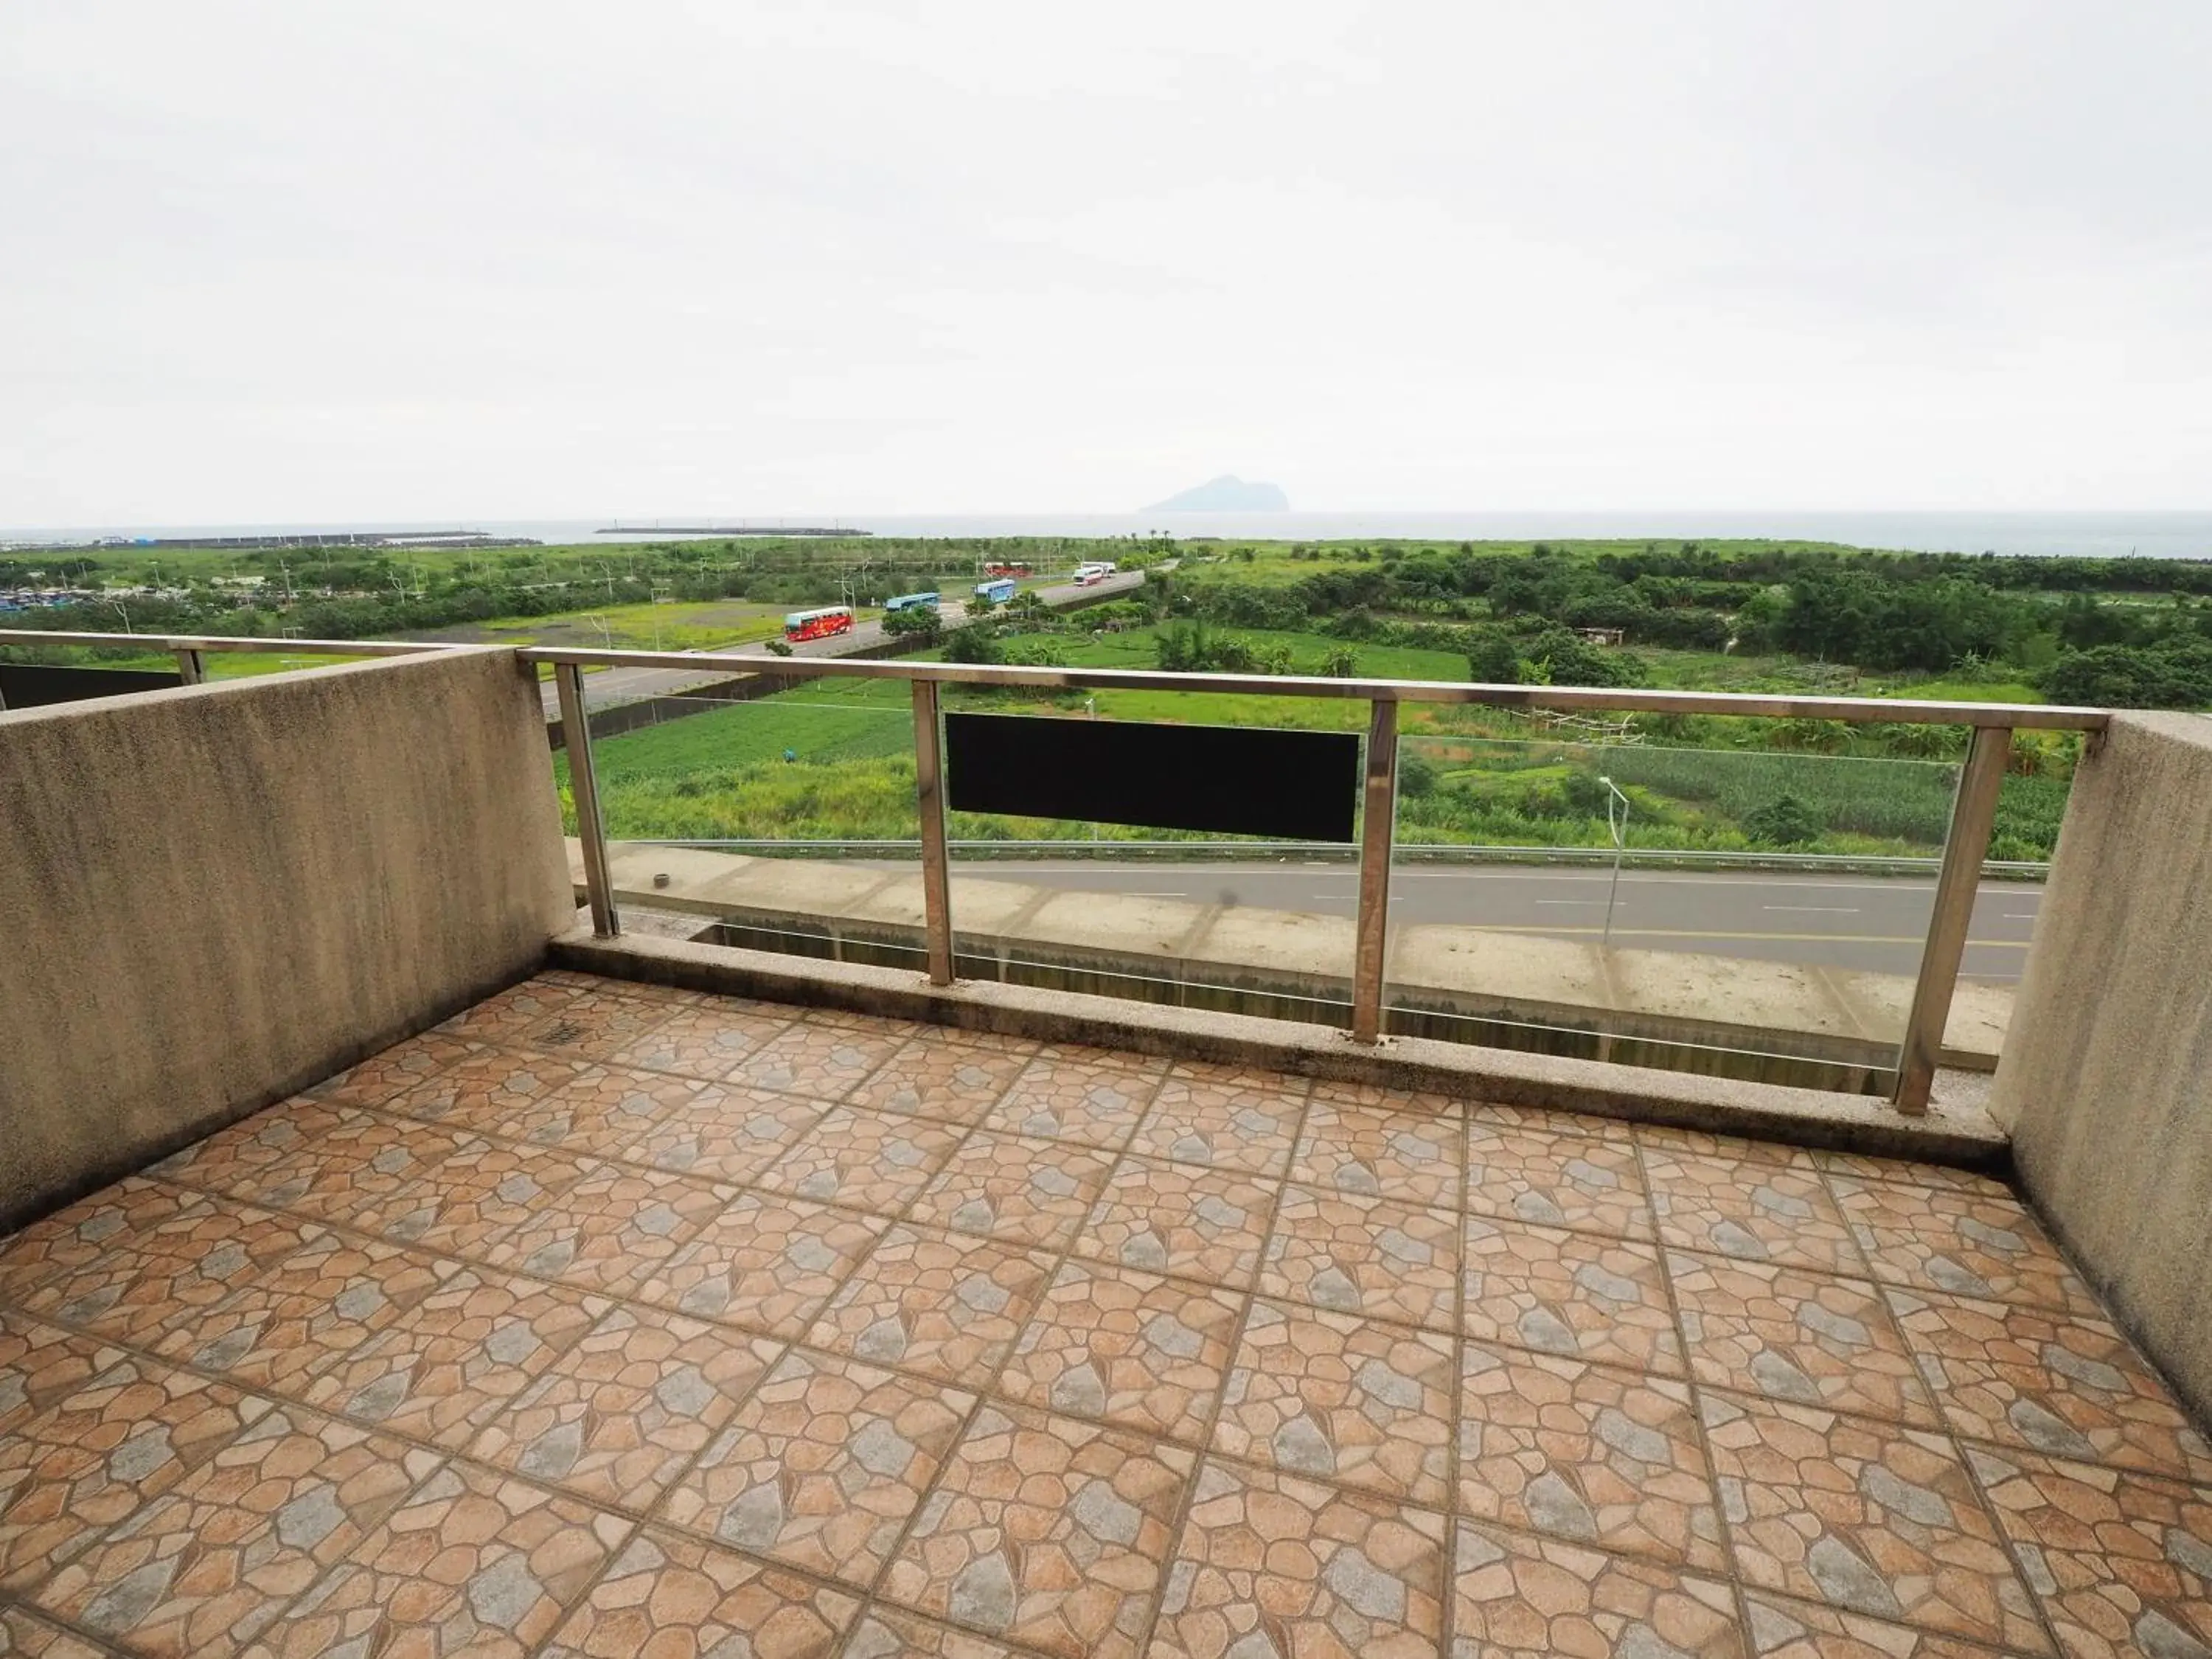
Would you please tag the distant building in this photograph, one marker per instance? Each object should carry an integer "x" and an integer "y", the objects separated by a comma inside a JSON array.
[{"x": 1603, "y": 635}]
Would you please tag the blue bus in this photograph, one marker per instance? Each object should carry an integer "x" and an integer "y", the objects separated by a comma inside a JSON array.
[
  {"x": 997, "y": 592},
  {"x": 909, "y": 601}
]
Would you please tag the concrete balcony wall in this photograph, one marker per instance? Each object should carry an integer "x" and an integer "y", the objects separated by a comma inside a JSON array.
[
  {"x": 212, "y": 896},
  {"x": 2107, "y": 1082}
]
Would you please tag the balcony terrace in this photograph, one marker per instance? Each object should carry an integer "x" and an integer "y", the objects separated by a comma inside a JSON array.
[{"x": 401, "y": 1269}]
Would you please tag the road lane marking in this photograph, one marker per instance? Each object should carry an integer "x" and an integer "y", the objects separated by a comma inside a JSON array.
[
  {"x": 1704, "y": 933},
  {"x": 1815, "y": 910},
  {"x": 1570, "y": 900}
]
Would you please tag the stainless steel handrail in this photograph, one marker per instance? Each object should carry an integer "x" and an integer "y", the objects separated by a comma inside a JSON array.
[{"x": 1859, "y": 710}]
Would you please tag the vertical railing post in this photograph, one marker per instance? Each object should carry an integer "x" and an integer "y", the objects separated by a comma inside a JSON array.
[
  {"x": 929, "y": 803},
  {"x": 192, "y": 666},
  {"x": 584, "y": 786},
  {"x": 1973, "y": 812},
  {"x": 1379, "y": 811}
]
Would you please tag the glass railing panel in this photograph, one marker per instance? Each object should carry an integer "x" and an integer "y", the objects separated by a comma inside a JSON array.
[
  {"x": 1726, "y": 905},
  {"x": 1238, "y": 922},
  {"x": 784, "y": 822}
]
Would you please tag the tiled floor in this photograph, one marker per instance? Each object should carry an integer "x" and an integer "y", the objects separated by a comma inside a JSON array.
[{"x": 614, "y": 1322}]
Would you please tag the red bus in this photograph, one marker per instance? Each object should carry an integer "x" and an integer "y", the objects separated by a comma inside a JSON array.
[
  {"x": 1006, "y": 568},
  {"x": 817, "y": 624}
]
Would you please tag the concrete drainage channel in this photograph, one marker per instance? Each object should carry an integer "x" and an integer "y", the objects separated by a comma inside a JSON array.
[
  {"x": 1762, "y": 1022},
  {"x": 1314, "y": 1000}
]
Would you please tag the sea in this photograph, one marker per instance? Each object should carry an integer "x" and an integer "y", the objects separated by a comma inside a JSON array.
[{"x": 2099, "y": 535}]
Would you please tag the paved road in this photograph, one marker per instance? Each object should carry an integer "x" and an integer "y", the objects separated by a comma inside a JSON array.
[
  {"x": 610, "y": 686},
  {"x": 1867, "y": 922}
]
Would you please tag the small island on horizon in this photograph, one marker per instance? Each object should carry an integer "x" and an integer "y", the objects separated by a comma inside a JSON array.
[{"x": 1226, "y": 494}]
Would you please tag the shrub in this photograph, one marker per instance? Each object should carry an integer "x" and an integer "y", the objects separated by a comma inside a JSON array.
[
  {"x": 1788, "y": 820},
  {"x": 1416, "y": 777}
]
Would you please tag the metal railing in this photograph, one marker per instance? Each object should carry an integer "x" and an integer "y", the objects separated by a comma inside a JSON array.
[{"x": 1965, "y": 846}]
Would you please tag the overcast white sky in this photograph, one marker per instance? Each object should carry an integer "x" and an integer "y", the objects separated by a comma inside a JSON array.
[{"x": 467, "y": 259}]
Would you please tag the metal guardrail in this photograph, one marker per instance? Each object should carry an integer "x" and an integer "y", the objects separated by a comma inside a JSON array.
[
  {"x": 1965, "y": 853},
  {"x": 1965, "y": 848}
]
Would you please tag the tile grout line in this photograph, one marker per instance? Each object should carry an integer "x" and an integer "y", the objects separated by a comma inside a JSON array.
[
  {"x": 1188, "y": 1498},
  {"x": 1737, "y": 1593}
]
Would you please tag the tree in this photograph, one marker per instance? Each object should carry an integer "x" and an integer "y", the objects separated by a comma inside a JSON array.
[
  {"x": 1416, "y": 777},
  {"x": 975, "y": 642},
  {"x": 917, "y": 621},
  {"x": 1494, "y": 661},
  {"x": 1787, "y": 820}
]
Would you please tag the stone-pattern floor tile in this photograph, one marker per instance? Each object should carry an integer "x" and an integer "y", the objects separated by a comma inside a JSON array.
[
  {"x": 1048, "y": 1532},
  {"x": 862, "y": 1160},
  {"x": 207, "y": 1566},
  {"x": 944, "y": 1304},
  {"x": 360, "y": 1161},
  {"x": 1025, "y": 1192},
  {"x": 1569, "y": 1293},
  {"x": 768, "y": 1264},
  {"x": 2121, "y": 1562},
  {"x": 1354, "y": 1254},
  {"x": 151, "y": 1278},
  {"x": 237, "y": 1160},
  {"x": 1782, "y": 1628},
  {"x": 1749, "y": 1209},
  {"x": 605, "y": 1111},
  {"x": 1861, "y": 1167},
  {"x": 953, "y": 1076},
  {"x": 1334, "y": 1398},
  {"x": 487, "y": 1088},
  {"x": 725, "y": 1133},
  {"x": 596, "y": 1025},
  {"x": 1175, "y": 1219},
  {"x": 1224, "y": 1117},
  {"x": 824, "y": 1465},
  {"x": 1269, "y": 1564},
  {"x": 1586, "y": 1453},
  {"x": 820, "y": 1060},
  {"x": 1659, "y": 1140},
  {"x": 668, "y": 1595},
  {"x": 1869, "y": 1517},
  {"x": 42, "y": 1364},
  {"x": 1131, "y": 1348},
  {"x": 481, "y": 1189},
  {"x": 1808, "y": 1337},
  {"x": 1519, "y": 1597},
  {"x": 1411, "y": 1158},
  {"x": 1929, "y": 1238},
  {"x": 707, "y": 1040},
  {"x": 25, "y": 1634},
  {"x": 610, "y": 1230},
  {"x": 382, "y": 1075},
  {"x": 82, "y": 1234},
  {"x": 2049, "y": 1382},
  {"x": 1082, "y": 1094},
  {"x": 616, "y": 1418},
  {"x": 457, "y": 1356},
  {"x": 1556, "y": 1180},
  {"x": 133, "y": 1430},
  {"x": 302, "y": 1313},
  {"x": 473, "y": 1562},
  {"x": 506, "y": 1017},
  {"x": 1374, "y": 1097},
  {"x": 888, "y": 1632}
]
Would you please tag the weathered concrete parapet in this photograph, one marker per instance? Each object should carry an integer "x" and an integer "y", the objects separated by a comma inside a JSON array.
[
  {"x": 212, "y": 896},
  {"x": 2107, "y": 1082}
]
